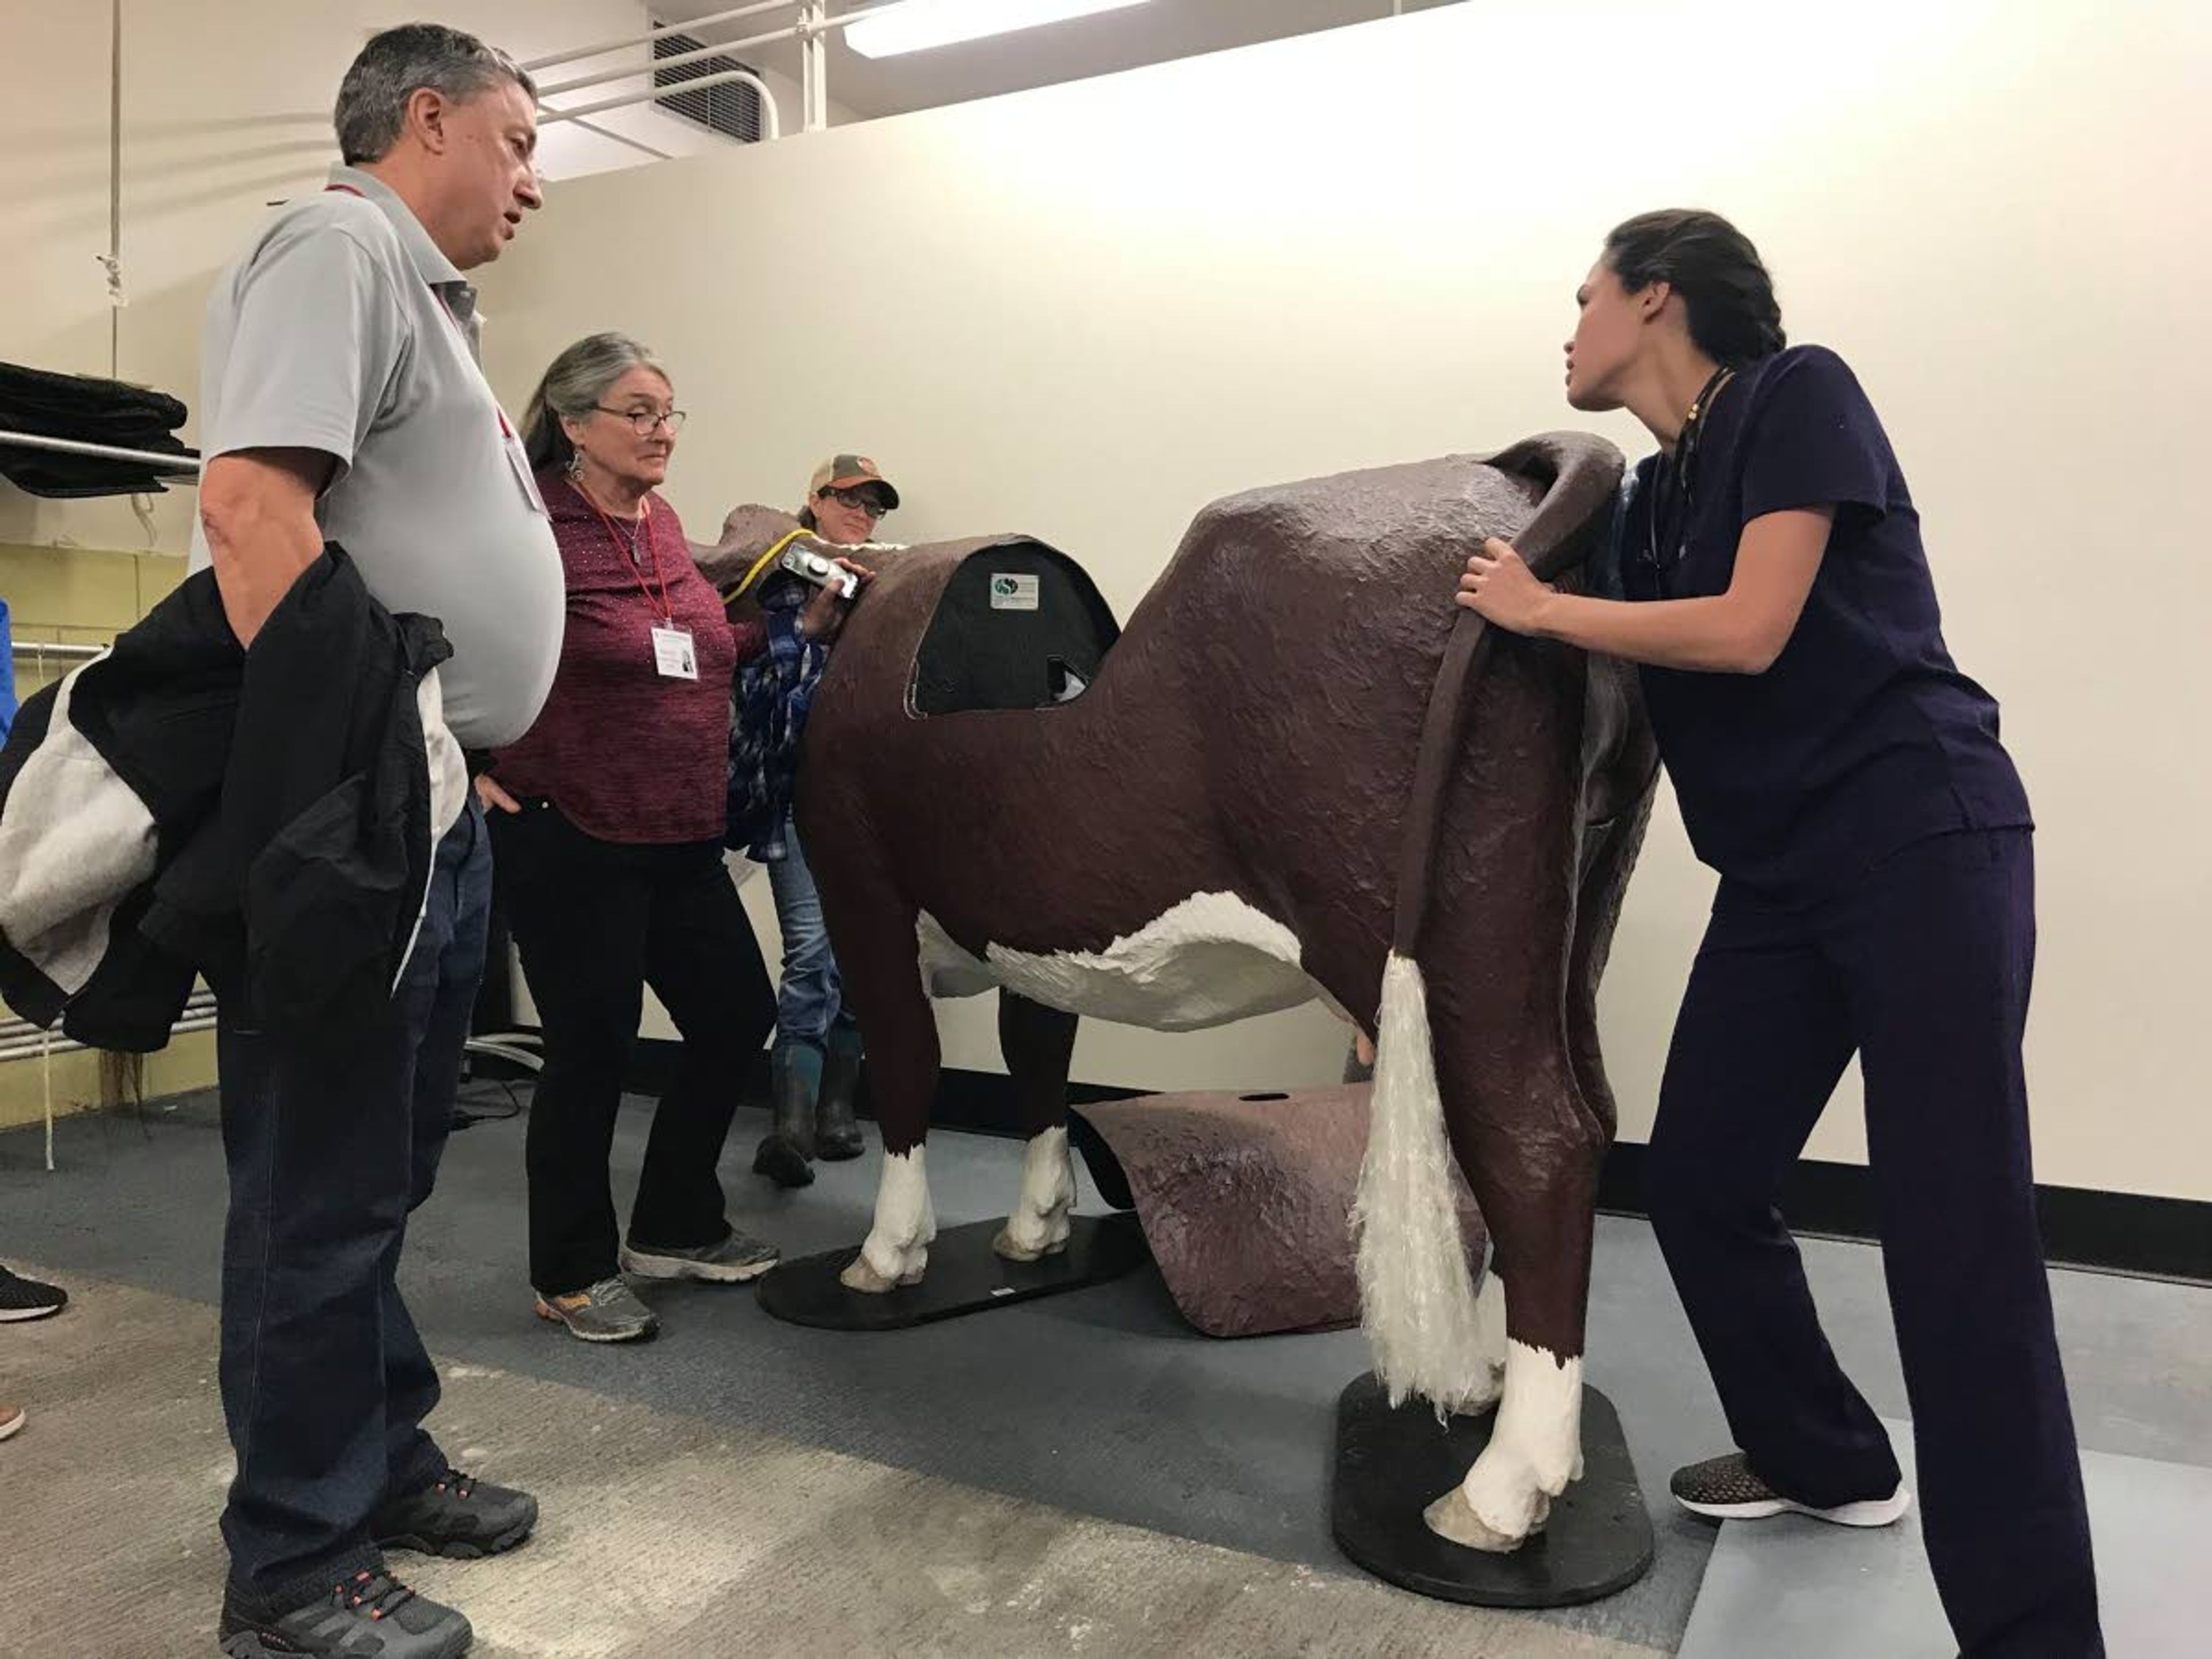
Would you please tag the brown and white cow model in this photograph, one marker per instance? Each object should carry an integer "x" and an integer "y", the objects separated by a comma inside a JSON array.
[{"x": 1300, "y": 772}]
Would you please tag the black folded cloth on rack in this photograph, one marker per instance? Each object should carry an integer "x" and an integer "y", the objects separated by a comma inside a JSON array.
[{"x": 88, "y": 410}]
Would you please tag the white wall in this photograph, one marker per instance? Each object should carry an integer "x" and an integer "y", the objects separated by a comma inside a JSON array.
[
  {"x": 227, "y": 107},
  {"x": 1086, "y": 311}
]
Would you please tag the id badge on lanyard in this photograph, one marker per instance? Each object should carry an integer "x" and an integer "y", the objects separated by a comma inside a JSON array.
[
  {"x": 674, "y": 656},
  {"x": 517, "y": 458},
  {"x": 673, "y": 659}
]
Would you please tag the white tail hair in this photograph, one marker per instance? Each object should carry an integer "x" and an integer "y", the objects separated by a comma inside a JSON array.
[{"x": 1416, "y": 1298}]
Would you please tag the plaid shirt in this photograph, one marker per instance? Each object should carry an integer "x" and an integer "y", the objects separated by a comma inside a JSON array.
[{"x": 769, "y": 707}]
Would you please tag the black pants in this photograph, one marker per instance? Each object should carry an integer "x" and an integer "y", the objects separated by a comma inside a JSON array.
[
  {"x": 325, "y": 1381},
  {"x": 1923, "y": 971},
  {"x": 596, "y": 922}
]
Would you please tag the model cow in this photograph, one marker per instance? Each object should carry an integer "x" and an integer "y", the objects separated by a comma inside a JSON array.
[{"x": 1299, "y": 772}]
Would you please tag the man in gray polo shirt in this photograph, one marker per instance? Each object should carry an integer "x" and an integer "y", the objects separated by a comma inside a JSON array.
[{"x": 341, "y": 400}]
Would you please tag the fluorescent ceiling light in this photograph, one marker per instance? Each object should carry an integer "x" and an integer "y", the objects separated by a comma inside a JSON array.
[{"x": 918, "y": 24}]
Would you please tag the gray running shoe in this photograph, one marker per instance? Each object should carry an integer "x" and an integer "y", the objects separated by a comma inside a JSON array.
[
  {"x": 733, "y": 1260},
  {"x": 608, "y": 1312}
]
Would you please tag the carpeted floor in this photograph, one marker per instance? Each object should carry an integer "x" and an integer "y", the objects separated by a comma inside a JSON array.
[{"x": 1080, "y": 1475}]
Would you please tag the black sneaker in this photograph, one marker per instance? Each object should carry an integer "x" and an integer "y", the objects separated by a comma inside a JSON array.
[
  {"x": 455, "y": 1514},
  {"x": 1725, "y": 1489},
  {"x": 370, "y": 1615},
  {"x": 26, "y": 1298}
]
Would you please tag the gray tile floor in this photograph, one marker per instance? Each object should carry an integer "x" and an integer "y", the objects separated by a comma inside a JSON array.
[
  {"x": 1812, "y": 1591},
  {"x": 1100, "y": 1403}
]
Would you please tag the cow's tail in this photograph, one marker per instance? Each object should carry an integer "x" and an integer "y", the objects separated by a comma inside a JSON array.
[{"x": 1417, "y": 1296}]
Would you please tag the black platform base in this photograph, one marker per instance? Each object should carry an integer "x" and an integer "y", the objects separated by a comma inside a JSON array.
[
  {"x": 965, "y": 1276},
  {"x": 1391, "y": 1465}
]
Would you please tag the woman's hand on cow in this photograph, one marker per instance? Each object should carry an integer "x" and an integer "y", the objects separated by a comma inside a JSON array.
[
  {"x": 1498, "y": 588},
  {"x": 825, "y": 611}
]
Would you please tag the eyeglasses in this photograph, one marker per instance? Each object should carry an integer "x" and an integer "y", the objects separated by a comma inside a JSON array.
[
  {"x": 860, "y": 501},
  {"x": 643, "y": 421}
]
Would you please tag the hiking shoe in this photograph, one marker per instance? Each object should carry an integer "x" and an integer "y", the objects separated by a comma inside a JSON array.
[
  {"x": 26, "y": 1298},
  {"x": 731, "y": 1261},
  {"x": 1725, "y": 1489},
  {"x": 608, "y": 1312},
  {"x": 370, "y": 1615},
  {"x": 11, "y": 1420},
  {"x": 456, "y": 1515}
]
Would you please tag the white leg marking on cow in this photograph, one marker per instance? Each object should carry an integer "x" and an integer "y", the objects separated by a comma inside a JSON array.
[
  {"x": 1038, "y": 1226},
  {"x": 1535, "y": 1449},
  {"x": 897, "y": 1249}
]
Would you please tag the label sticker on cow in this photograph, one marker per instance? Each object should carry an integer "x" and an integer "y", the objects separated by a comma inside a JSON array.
[{"x": 1011, "y": 592}]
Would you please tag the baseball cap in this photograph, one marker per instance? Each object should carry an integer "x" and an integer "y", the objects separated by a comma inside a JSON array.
[{"x": 848, "y": 472}]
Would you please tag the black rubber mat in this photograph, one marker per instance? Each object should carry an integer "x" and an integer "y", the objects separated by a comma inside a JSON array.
[
  {"x": 965, "y": 1276},
  {"x": 1391, "y": 1465}
]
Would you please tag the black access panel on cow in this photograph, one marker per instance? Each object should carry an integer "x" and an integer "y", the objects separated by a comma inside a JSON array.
[{"x": 1019, "y": 626}]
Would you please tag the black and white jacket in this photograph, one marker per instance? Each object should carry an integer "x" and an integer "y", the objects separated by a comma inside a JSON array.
[{"x": 178, "y": 807}]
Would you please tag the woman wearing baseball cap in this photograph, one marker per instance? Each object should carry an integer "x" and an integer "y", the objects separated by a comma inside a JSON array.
[{"x": 815, "y": 1062}]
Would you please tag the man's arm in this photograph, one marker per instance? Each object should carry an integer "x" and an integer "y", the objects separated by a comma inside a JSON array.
[
  {"x": 258, "y": 507},
  {"x": 316, "y": 340}
]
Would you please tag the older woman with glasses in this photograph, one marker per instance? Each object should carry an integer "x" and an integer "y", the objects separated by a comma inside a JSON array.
[{"x": 607, "y": 827}]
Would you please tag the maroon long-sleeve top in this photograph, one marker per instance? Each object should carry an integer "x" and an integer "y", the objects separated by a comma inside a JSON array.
[{"x": 625, "y": 752}]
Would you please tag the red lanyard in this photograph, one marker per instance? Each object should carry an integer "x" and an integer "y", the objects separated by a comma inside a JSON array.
[{"x": 629, "y": 554}]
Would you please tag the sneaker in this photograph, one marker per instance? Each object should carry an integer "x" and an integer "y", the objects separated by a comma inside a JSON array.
[
  {"x": 26, "y": 1298},
  {"x": 1725, "y": 1489},
  {"x": 608, "y": 1312},
  {"x": 456, "y": 1515},
  {"x": 733, "y": 1260},
  {"x": 371, "y": 1615},
  {"x": 11, "y": 1420}
]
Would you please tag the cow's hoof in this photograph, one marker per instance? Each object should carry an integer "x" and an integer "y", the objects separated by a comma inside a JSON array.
[
  {"x": 862, "y": 1276},
  {"x": 1453, "y": 1517},
  {"x": 1008, "y": 1247}
]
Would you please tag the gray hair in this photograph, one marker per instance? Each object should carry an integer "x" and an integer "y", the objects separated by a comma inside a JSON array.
[
  {"x": 572, "y": 386},
  {"x": 396, "y": 64}
]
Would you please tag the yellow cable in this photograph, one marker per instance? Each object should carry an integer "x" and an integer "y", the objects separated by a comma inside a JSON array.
[{"x": 762, "y": 564}]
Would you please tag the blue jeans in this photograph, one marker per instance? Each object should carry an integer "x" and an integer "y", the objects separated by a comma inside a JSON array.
[
  {"x": 811, "y": 1002},
  {"x": 325, "y": 1381}
]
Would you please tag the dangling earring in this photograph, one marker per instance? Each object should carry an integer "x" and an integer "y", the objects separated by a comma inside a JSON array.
[{"x": 576, "y": 467}]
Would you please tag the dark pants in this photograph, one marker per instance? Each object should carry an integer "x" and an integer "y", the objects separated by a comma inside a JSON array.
[
  {"x": 596, "y": 922},
  {"x": 325, "y": 1381},
  {"x": 1923, "y": 971}
]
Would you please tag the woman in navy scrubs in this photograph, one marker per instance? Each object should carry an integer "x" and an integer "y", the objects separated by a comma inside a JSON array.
[{"x": 1876, "y": 896}]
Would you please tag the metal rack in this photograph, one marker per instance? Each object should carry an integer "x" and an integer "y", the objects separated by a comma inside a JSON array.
[{"x": 103, "y": 452}]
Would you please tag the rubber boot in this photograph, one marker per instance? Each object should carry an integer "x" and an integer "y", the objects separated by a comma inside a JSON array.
[
  {"x": 836, "y": 1135},
  {"x": 785, "y": 1154}
]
